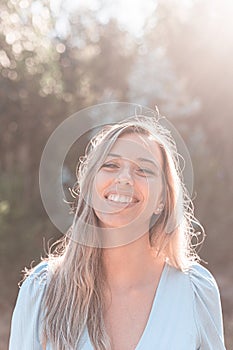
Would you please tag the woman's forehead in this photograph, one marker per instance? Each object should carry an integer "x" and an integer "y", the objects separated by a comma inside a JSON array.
[{"x": 137, "y": 146}]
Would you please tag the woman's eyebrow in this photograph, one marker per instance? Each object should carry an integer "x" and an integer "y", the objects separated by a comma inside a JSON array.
[
  {"x": 140, "y": 159},
  {"x": 114, "y": 155},
  {"x": 148, "y": 161}
]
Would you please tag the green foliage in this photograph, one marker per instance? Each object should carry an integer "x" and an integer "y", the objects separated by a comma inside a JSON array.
[{"x": 20, "y": 224}]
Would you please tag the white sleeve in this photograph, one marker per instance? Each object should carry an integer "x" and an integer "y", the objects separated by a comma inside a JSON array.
[
  {"x": 26, "y": 319},
  {"x": 207, "y": 309}
]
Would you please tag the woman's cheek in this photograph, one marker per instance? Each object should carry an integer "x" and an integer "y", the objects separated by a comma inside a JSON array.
[{"x": 101, "y": 181}]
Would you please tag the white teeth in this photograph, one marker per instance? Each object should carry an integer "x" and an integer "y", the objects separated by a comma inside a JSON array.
[{"x": 120, "y": 198}]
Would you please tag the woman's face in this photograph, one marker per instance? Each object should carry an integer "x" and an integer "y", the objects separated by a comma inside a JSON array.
[{"x": 128, "y": 186}]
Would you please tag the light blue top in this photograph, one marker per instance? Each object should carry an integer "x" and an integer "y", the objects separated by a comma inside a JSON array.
[{"x": 186, "y": 313}]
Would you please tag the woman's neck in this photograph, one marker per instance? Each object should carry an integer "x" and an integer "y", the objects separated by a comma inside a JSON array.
[{"x": 131, "y": 266}]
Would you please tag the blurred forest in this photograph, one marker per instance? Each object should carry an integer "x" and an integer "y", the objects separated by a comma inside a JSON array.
[{"x": 181, "y": 62}]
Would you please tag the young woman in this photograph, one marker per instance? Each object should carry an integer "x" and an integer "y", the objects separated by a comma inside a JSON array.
[{"x": 125, "y": 277}]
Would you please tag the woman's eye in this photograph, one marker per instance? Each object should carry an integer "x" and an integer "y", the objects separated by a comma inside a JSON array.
[
  {"x": 145, "y": 171},
  {"x": 110, "y": 165}
]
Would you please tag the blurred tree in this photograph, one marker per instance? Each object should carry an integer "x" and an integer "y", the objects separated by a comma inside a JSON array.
[
  {"x": 196, "y": 40},
  {"x": 45, "y": 77},
  {"x": 153, "y": 81},
  {"x": 28, "y": 74}
]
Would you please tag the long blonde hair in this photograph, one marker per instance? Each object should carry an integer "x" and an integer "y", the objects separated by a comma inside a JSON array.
[{"x": 74, "y": 298}]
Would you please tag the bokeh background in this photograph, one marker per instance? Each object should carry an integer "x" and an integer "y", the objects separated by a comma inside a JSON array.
[{"x": 57, "y": 57}]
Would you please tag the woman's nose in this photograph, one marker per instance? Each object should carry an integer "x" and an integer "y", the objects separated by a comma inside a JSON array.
[{"x": 125, "y": 176}]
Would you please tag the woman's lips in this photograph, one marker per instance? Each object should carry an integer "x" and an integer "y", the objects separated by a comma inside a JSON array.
[{"x": 121, "y": 200}]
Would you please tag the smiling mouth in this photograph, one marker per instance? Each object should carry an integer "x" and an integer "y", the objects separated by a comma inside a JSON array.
[{"x": 121, "y": 199}]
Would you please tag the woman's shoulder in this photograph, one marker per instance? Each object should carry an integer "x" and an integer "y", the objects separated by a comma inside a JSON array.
[
  {"x": 207, "y": 307},
  {"x": 202, "y": 279},
  {"x": 37, "y": 277},
  {"x": 25, "y": 324},
  {"x": 33, "y": 287},
  {"x": 198, "y": 290},
  {"x": 197, "y": 280},
  {"x": 39, "y": 271}
]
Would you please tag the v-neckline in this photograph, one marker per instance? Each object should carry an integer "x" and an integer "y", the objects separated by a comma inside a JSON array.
[
  {"x": 158, "y": 292},
  {"x": 153, "y": 307}
]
